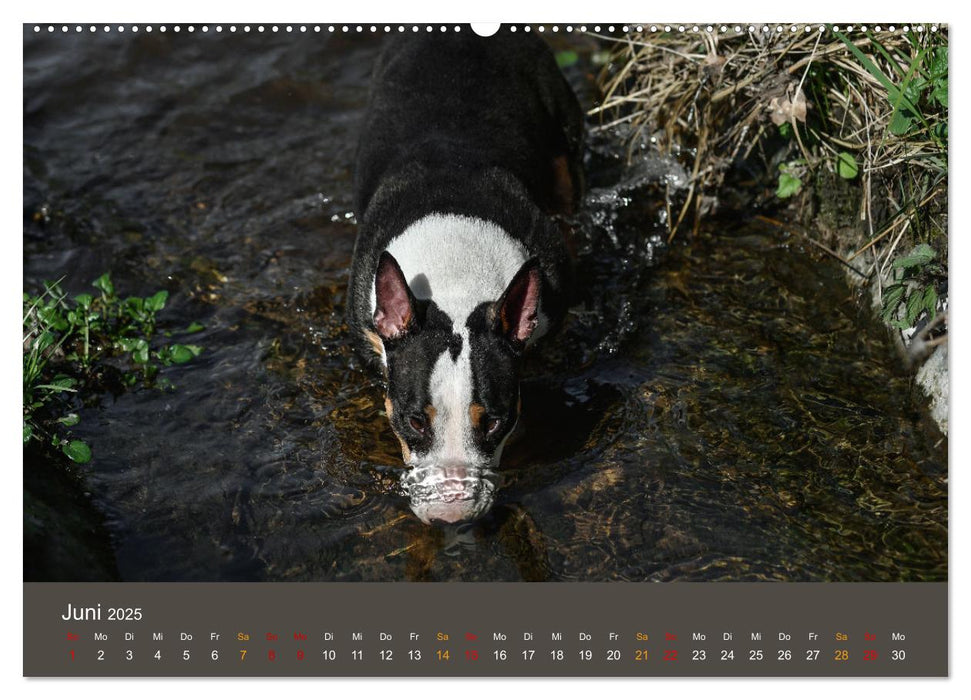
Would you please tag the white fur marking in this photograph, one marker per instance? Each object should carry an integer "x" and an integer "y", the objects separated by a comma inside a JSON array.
[
  {"x": 451, "y": 393},
  {"x": 459, "y": 262}
]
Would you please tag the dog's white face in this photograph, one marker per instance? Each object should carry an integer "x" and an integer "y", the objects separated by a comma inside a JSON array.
[{"x": 455, "y": 304}]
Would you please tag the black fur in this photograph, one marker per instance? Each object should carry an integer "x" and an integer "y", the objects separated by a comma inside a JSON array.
[{"x": 495, "y": 375}]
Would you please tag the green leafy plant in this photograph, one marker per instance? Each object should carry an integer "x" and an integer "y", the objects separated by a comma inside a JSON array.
[
  {"x": 70, "y": 346},
  {"x": 846, "y": 166},
  {"x": 790, "y": 180},
  {"x": 913, "y": 291},
  {"x": 916, "y": 88}
]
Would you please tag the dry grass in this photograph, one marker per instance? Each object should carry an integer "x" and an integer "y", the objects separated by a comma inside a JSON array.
[{"x": 874, "y": 101}]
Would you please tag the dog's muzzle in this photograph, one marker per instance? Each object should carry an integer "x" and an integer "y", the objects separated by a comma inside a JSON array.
[{"x": 451, "y": 493}]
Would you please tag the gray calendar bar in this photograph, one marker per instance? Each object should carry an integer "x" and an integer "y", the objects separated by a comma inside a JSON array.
[{"x": 482, "y": 629}]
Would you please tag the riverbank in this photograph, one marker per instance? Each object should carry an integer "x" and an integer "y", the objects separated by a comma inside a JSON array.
[{"x": 837, "y": 134}]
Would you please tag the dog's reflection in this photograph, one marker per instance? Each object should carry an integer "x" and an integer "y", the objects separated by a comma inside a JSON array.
[{"x": 519, "y": 539}]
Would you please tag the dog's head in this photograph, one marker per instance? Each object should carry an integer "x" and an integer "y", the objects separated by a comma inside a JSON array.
[{"x": 452, "y": 387}]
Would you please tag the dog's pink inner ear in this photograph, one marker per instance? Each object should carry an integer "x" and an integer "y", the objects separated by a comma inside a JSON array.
[
  {"x": 393, "y": 311},
  {"x": 519, "y": 304}
]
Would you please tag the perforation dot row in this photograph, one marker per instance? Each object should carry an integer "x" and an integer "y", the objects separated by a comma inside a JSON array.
[{"x": 373, "y": 28}]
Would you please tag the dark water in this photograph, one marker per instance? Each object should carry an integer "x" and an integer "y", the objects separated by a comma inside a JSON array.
[{"x": 719, "y": 410}]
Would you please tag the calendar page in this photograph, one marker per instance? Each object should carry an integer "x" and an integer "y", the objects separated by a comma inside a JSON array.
[{"x": 519, "y": 350}]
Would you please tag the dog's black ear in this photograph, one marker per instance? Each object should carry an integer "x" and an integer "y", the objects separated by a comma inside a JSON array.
[
  {"x": 517, "y": 308},
  {"x": 394, "y": 312}
]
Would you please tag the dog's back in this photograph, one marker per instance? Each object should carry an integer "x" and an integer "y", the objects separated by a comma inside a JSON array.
[{"x": 465, "y": 102}]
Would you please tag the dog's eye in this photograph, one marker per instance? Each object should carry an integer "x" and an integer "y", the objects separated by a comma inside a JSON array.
[
  {"x": 418, "y": 422},
  {"x": 492, "y": 425}
]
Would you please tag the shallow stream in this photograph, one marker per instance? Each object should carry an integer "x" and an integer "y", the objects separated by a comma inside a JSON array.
[{"x": 719, "y": 409}]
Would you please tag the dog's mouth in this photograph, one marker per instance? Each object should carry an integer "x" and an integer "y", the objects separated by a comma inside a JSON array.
[{"x": 450, "y": 493}]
